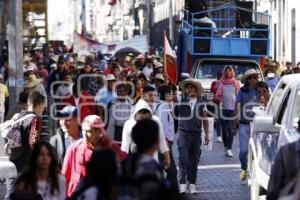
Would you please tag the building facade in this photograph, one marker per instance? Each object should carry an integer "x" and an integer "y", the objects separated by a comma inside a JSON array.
[{"x": 285, "y": 28}]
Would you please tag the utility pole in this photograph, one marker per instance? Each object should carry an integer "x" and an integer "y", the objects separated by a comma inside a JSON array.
[
  {"x": 171, "y": 24},
  {"x": 15, "y": 44}
]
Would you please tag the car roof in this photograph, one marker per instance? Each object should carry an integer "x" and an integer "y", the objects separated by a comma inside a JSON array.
[{"x": 292, "y": 79}]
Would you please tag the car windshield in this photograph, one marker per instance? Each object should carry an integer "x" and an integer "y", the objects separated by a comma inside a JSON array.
[
  {"x": 210, "y": 69},
  {"x": 296, "y": 111}
]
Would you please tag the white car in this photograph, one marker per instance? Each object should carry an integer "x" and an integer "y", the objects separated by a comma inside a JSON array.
[{"x": 274, "y": 128}]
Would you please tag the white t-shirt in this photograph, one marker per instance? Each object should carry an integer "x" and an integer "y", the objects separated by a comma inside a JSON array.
[{"x": 44, "y": 189}]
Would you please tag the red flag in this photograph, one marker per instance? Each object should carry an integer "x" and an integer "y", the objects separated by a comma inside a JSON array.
[{"x": 170, "y": 60}]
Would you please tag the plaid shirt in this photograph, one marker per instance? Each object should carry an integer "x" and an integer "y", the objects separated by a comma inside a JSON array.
[{"x": 285, "y": 168}]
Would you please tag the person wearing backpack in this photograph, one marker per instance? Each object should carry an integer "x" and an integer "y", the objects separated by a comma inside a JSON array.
[
  {"x": 21, "y": 133},
  {"x": 25, "y": 129},
  {"x": 141, "y": 176}
]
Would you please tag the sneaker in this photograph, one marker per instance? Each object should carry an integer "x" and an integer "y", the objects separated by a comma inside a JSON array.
[
  {"x": 229, "y": 153},
  {"x": 243, "y": 175},
  {"x": 193, "y": 189},
  {"x": 183, "y": 188},
  {"x": 219, "y": 139}
]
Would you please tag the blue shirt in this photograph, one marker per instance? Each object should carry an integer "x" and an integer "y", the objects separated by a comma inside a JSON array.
[{"x": 104, "y": 96}]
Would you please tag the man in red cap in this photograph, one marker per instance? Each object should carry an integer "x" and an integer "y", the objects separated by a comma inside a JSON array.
[{"x": 79, "y": 153}]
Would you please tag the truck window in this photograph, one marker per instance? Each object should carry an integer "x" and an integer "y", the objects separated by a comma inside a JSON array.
[{"x": 210, "y": 69}]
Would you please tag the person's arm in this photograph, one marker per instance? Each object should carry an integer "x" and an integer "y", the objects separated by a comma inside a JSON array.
[
  {"x": 163, "y": 146},
  {"x": 126, "y": 138},
  {"x": 34, "y": 131},
  {"x": 205, "y": 127}
]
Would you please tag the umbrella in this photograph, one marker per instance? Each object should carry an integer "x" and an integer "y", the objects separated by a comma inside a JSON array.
[{"x": 122, "y": 53}]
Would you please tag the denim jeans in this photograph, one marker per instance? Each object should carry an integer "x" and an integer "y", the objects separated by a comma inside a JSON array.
[
  {"x": 218, "y": 127},
  {"x": 189, "y": 145},
  {"x": 244, "y": 136},
  {"x": 227, "y": 124}
]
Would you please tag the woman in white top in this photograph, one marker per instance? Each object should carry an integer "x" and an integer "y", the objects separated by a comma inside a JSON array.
[{"x": 42, "y": 179}]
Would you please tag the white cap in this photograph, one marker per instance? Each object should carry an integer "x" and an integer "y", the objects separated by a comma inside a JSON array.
[
  {"x": 110, "y": 77},
  {"x": 53, "y": 66}
]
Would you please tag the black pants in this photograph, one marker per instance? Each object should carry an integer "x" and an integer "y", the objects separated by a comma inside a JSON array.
[{"x": 172, "y": 171}]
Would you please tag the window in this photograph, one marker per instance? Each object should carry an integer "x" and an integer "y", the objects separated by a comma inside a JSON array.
[
  {"x": 277, "y": 98},
  {"x": 283, "y": 108},
  {"x": 295, "y": 111}
]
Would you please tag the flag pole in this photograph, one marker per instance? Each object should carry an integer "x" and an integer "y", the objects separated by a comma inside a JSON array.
[{"x": 164, "y": 43}]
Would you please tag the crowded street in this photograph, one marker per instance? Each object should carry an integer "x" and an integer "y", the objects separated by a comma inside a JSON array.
[{"x": 149, "y": 100}]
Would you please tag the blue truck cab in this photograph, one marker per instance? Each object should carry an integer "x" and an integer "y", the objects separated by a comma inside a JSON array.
[{"x": 225, "y": 35}]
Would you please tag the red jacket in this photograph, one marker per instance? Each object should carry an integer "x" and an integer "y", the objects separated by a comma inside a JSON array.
[{"x": 77, "y": 155}]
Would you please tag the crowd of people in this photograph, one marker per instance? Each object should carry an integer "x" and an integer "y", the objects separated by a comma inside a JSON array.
[{"x": 115, "y": 124}]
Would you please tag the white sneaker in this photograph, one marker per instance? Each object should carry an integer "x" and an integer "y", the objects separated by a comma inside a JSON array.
[
  {"x": 193, "y": 189},
  {"x": 229, "y": 153},
  {"x": 182, "y": 188},
  {"x": 219, "y": 139}
]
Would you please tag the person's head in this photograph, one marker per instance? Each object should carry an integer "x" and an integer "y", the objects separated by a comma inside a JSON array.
[
  {"x": 93, "y": 129},
  {"x": 43, "y": 158},
  {"x": 289, "y": 65},
  {"x": 110, "y": 81},
  {"x": 102, "y": 169},
  {"x": 122, "y": 90},
  {"x": 68, "y": 119},
  {"x": 23, "y": 97},
  {"x": 41, "y": 65},
  {"x": 145, "y": 135},
  {"x": 87, "y": 68},
  {"x": 159, "y": 80},
  {"x": 61, "y": 65},
  {"x": 142, "y": 77},
  {"x": 149, "y": 94},
  {"x": 262, "y": 90},
  {"x": 228, "y": 72},
  {"x": 165, "y": 93},
  {"x": 68, "y": 78},
  {"x": 190, "y": 90},
  {"x": 116, "y": 71},
  {"x": 36, "y": 102},
  {"x": 251, "y": 78}
]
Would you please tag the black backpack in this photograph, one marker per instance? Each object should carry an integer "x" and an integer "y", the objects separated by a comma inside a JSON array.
[{"x": 129, "y": 184}]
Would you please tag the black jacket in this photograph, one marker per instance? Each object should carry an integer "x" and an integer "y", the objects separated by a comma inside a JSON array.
[{"x": 58, "y": 142}]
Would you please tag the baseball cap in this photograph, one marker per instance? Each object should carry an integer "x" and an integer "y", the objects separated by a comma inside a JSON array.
[
  {"x": 67, "y": 112},
  {"x": 92, "y": 121}
]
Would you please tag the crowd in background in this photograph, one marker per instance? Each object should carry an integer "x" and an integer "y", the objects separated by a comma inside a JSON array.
[{"x": 115, "y": 125}]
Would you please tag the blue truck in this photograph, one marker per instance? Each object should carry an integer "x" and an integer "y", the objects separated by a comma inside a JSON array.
[{"x": 225, "y": 35}]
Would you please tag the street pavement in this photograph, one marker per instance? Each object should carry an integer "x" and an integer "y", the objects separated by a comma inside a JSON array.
[{"x": 218, "y": 175}]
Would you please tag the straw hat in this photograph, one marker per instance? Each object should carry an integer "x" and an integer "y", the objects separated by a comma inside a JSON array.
[
  {"x": 249, "y": 73},
  {"x": 158, "y": 65},
  {"x": 32, "y": 81},
  {"x": 194, "y": 82},
  {"x": 159, "y": 77}
]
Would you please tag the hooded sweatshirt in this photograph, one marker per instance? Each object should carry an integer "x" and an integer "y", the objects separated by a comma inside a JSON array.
[{"x": 127, "y": 143}]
